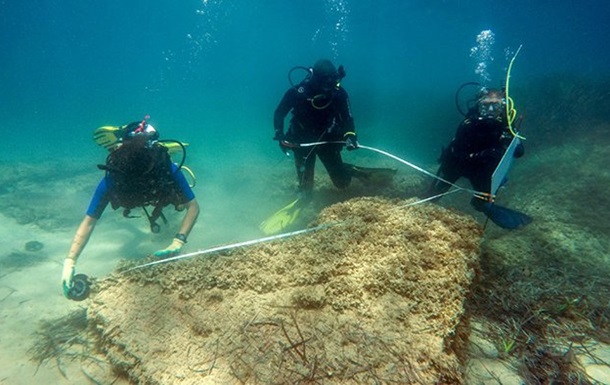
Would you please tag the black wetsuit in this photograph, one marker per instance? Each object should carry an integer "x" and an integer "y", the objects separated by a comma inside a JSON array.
[
  {"x": 474, "y": 153},
  {"x": 317, "y": 116}
]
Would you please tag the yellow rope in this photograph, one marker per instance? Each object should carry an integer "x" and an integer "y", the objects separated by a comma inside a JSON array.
[{"x": 511, "y": 112}]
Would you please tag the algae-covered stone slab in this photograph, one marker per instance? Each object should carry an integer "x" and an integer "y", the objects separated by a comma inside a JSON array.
[{"x": 375, "y": 298}]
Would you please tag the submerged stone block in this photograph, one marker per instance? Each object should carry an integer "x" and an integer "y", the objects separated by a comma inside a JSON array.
[{"x": 376, "y": 297}]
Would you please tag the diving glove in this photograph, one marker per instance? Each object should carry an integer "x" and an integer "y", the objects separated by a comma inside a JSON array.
[
  {"x": 351, "y": 140},
  {"x": 67, "y": 276},
  {"x": 173, "y": 249}
]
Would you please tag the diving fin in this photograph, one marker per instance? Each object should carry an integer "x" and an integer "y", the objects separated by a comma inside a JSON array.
[
  {"x": 173, "y": 147},
  {"x": 505, "y": 217},
  {"x": 373, "y": 176},
  {"x": 282, "y": 218},
  {"x": 108, "y": 136}
]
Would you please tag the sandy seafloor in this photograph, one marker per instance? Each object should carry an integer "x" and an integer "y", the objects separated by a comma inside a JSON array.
[
  {"x": 562, "y": 184},
  {"x": 43, "y": 202}
]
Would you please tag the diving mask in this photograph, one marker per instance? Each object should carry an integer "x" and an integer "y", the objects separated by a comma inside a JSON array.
[{"x": 491, "y": 108}]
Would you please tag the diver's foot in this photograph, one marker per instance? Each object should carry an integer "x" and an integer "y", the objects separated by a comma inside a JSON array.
[{"x": 304, "y": 196}]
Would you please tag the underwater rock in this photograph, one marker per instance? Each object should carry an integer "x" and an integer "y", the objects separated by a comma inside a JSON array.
[
  {"x": 33, "y": 246},
  {"x": 376, "y": 298},
  {"x": 19, "y": 260}
]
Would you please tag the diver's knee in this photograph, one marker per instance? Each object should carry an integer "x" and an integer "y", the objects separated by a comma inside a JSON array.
[{"x": 342, "y": 184}]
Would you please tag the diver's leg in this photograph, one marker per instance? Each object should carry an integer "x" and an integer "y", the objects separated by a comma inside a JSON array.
[
  {"x": 480, "y": 179},
  {"x": 339, "y": 172},
  {"x": 305, "y": 161}
]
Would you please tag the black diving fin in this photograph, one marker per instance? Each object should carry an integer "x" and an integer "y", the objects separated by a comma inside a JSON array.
[
  {"x": 505, "y": 217},
  {"x": 373, "y": 176}
]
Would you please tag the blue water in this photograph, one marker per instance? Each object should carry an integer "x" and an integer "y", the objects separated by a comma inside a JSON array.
[{"x": 212, "y": 71}]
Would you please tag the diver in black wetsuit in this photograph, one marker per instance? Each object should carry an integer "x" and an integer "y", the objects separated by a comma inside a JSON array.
[
  {"x": 320, "y": 113},
  {"x": 474, "y": 153}
]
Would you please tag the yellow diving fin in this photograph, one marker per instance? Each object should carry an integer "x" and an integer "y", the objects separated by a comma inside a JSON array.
[
  {"x": 282, "y": 218},
  {"x": 107, "y": 136},
  {"x": 173, "y": 147}
]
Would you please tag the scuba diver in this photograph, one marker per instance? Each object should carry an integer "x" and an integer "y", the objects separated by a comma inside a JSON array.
[
  {"x": 480, "y": 142},
  {"x": 139, "y": 173},
  {"x": 321, "y": 124},
  {"x": 320, "y": 113}
]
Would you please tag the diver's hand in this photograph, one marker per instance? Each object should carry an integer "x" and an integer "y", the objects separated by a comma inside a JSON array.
[
  {"x": 173, "y": 249},
  {"x": 284, "y": 148},
  {"x": 351, "y": 141},
  {"x": 67, "y": 276},
  {"x": 485, "y": 155}
]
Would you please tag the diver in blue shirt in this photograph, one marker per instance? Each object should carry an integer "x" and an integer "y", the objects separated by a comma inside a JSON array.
[{"x": 139, "y": 173}]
